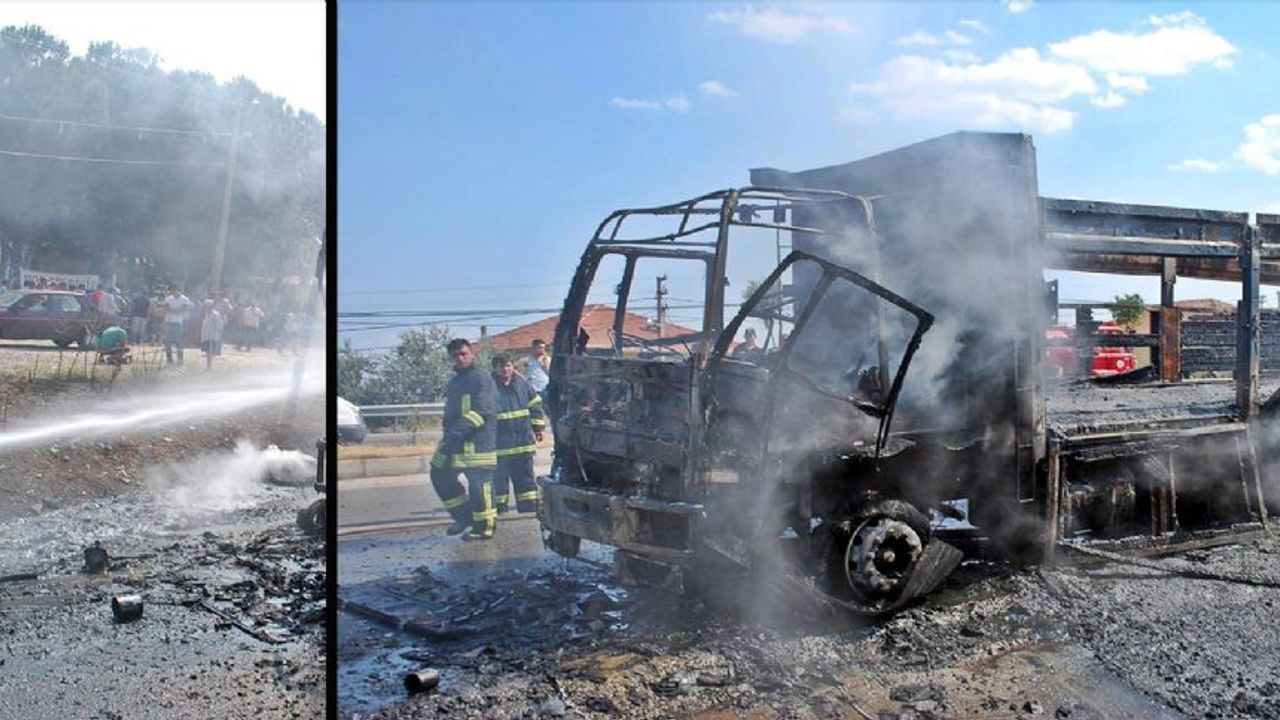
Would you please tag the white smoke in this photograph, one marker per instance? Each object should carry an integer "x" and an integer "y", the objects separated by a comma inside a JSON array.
[{"x": 228, "y": 480}]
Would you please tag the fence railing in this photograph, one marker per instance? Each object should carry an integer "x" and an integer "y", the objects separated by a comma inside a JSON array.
[{"x": 402, "y": 411}]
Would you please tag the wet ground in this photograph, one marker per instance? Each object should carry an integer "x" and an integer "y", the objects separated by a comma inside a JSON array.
[
  {"x": 232, "y": 623},
  {"x": 518, "y": 633},
  {"x": 176, "y": 479}
]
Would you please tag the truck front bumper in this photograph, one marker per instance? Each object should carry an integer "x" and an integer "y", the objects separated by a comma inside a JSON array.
[{"x": 658, "y": 529}]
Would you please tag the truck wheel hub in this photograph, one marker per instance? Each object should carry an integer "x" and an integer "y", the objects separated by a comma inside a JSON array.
[{"x": 880, "y": 555}]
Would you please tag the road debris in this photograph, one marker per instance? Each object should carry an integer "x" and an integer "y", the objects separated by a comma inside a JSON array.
[
  {"x": 126, "y": 608},
  {"x": 424, "y": 680}
]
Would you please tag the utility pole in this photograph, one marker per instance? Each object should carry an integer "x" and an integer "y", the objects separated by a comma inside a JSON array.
[
  {"x": 661, "y": 293},
  {"x": 219, "y": 250}
]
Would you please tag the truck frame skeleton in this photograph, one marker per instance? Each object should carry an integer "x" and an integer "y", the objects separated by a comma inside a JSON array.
[{"x": 898, "y": 412}]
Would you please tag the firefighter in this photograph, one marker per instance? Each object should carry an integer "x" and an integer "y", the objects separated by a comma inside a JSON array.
[
  {"x": 520, "y": 425},
  {"x": 467, "y": 447}
]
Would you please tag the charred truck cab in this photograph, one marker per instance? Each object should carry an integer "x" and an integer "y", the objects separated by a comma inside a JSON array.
[{"x": 897, "y": 408}]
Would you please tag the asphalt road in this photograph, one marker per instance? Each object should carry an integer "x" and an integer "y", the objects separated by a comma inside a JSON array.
[{"x": 399, "y": 502}]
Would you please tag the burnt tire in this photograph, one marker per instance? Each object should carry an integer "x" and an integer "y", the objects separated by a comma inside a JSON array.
[
  {"x": 311, "y": 519},
  {"x": 866, "y": 558}
]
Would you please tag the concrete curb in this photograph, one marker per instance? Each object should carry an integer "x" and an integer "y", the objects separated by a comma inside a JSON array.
[{"x": 379, "y": 467}]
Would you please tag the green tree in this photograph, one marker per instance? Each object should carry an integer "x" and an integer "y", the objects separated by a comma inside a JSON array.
[
  {"x": 150, "y": 222},
  {"x": 354, "y": 369},
  {"x": 1128, "y": 309},
  {"x": 415, "y": 371}
]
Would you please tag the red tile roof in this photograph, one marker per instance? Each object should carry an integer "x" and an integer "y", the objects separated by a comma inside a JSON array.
[{"x": 597, "y": 320}]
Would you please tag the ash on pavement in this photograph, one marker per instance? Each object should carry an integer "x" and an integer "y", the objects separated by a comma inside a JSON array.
[{"x": 516, "y": 632}]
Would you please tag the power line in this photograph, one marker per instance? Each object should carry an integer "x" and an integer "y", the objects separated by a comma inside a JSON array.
[
  {"x": 449, "y": 289},
  {"x": 118, "y": 161},
  {"x": 106, "y": 126},
  {"x": 446, "y": 313}
]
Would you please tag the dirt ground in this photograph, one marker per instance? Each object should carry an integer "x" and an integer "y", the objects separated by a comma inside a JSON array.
[
  {"x": 37, "y": 387},
  {"x": 516, "y": 633},
  {"x": 170, "y": 472}
]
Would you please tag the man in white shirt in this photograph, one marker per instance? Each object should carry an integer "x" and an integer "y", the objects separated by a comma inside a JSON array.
[
  {"x": 251, "y": 326},
  {"x": 176, "y": 306},
  {"x": 211, "y": 333},
  {"x": 536, "y": 365}
]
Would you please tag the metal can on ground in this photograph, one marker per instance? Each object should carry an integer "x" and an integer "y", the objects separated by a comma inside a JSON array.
[
  {"x": 424, "y": 680},
  {"x": 126, "y": 608}
]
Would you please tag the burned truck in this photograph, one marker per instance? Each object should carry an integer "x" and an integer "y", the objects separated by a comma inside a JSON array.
[{"x": 897, "y": 414}]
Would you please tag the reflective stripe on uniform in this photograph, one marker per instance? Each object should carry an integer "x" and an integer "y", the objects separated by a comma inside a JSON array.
[
  {"x": 513, "y": 414},
  {"x": 539, "y": 422},
  {"x": 535, "y": 401},
  {"x": 470, "y": 415},
  {"x": 454, "y": 503},
  {"x": 530, "y": 495},
  {"x": 518, "y": 450},
  {"x": 487, "y": 511},
  {"x": 469, "y": 458},
  {"x": 475, "y": 460}
]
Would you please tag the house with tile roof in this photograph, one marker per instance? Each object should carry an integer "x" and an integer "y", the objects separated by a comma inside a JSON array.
[{"x": 597, "y": 321}]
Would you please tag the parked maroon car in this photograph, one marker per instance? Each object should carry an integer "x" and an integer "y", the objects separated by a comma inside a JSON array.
[{"x": 58, "y": 315}]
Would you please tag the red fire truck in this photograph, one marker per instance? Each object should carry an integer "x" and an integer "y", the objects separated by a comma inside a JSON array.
[{"x": 1105, "y": 361}]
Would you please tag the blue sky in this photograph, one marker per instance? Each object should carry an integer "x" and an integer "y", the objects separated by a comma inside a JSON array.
[{"x": 481, "y": 143}]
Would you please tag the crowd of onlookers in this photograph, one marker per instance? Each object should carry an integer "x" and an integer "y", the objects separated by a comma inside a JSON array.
[
  {"x": 165, "y": 318},
  {"x": 170, "y": 318}
]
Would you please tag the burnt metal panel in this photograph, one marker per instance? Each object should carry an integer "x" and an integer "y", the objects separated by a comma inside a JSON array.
[
  {"x": 1209, "y": 342},
  {"x": 627, "y": 408},
  {"x": 1108, "y": 219},
  {"x": 1269, "y": 231},
  {"x": 1060, "y": 243},
  {"x": 1225, "y": 269},
  {"x": 1249, "y": 332},
  {"x": 1170, "y": 344},
  {"x": 959, "y": 225},
  {"x": 659, "y": 530}
]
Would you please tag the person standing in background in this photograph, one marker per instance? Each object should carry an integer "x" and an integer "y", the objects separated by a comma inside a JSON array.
[
  {"x": 176, "y": 307},
  {"x": 467, "y": 447},
  {"x": 211, "y": 332},
  {"x": 250, "y": 326},
  {"x": 537, "y": 365},
  {"x": 139, "y": 311}
]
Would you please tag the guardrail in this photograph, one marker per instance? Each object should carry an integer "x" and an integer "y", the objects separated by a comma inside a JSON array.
[{"x": 402, "y": 411}]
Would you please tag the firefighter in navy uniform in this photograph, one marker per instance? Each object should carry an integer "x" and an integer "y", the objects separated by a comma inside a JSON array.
[
  {"x": 467, "y": 447},
  {"x": 520, "y": 425}
]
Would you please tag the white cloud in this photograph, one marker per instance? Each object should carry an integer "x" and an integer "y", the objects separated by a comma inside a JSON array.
[
  {"x": 1201, "y": 165},
  {"x": 961, "y": 56},
  {"x": 1019, "y": 90},
  {"x": 1261, "y": 147},
  {"x": 278, "y": 45},
  {"x": 977, "y": 25},
  {"x": 1175, "y": 45},
  {"x": 675, "y": 104},
  {"x": 1111, "y": 100},
  {"x": 922, "y": 38},
  {"x": 1018, "y": 6},
  {"x": 919, "y": 37},
  {"x": 635, "y": 104},
  {"x": 1130, "y": 83},
  {"x": 715, "y": 87},
  {"x": 775, "y": 25}
]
